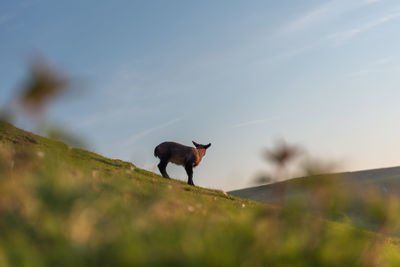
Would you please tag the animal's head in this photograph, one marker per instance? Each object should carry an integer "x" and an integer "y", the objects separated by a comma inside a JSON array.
[{"x": 201, "y": 148}]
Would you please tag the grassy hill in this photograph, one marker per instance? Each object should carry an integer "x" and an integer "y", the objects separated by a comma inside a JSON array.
[
  {"x": 361, "y": 189},
  {"x": 61, "y": 206},
  {"x": 386, "y": 180}
]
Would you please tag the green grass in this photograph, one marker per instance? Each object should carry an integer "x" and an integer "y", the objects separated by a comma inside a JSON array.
[{"x": 61, "y": 206}]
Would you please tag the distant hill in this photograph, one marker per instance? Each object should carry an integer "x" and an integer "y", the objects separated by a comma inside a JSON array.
[
  {"x": 362, "y": 186},
  {"x": 387, "y": 180}
]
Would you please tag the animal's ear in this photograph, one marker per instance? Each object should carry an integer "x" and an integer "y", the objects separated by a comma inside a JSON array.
[
  {"x": 195, "y": 144},
  {"x": 207, "y": 146}
]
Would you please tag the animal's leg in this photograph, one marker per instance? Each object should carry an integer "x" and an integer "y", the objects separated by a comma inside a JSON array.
[
  {"x": 189, "y": 171},
  {"x": 162, "y": 167}
]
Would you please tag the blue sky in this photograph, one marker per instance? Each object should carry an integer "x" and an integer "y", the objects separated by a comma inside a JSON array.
[{"x": 241, "y": 75}]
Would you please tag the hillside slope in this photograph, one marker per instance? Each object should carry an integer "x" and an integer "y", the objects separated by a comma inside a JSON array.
[
  {"x": 61, "y": 206},
  {"x": 360, "y": 187},
  {"x": 387, "y": 180}
]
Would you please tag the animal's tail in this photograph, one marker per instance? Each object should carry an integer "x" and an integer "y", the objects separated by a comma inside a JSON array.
[{"x": 156, "y": 152}]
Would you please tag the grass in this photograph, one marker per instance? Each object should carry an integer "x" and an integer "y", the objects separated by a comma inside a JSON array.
[{"x": 61, "y": 206}]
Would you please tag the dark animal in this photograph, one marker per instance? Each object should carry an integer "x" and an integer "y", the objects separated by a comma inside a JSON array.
[{"x": 186, "y": 156}]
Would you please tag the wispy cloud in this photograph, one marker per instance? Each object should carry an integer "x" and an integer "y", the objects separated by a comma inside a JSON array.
[
  {"x": 144, "y": 133},
  {"x": 252, "y": 122},
  {"x": 371, "y": 1},
  {"x": 299, "y": 50},
  {"x": 330, "y": 10},
  {"x": 378, "y": 66},
  {"x": 341, "y": 37},
  {"x": 383, "y": 61},
  {"x": 364, "y": 72},
  {"x": 90, "y": 120},
  {"x": 310, "y": 18},
  {"x": 325, "y": 12}
]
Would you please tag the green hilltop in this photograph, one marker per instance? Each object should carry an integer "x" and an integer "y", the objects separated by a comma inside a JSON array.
[{"x": 61, "y": 206}]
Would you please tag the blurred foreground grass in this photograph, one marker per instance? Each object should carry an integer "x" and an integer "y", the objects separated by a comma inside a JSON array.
[{"x": 61, "y": 206}]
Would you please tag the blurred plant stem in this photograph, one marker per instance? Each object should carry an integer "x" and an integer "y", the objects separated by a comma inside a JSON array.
[
  {"x": 43, "y": 84},
  {"x": 280, "y": 157}
]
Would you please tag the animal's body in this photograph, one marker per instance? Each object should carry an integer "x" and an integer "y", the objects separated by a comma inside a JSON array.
[{"x": 185, "y": 156}]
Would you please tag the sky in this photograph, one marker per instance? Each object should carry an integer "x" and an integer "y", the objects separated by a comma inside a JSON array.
[{"x": 238, "y": 74}]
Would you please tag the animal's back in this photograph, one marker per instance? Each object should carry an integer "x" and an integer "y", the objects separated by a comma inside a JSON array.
[{"x": 174, "y": 152}]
